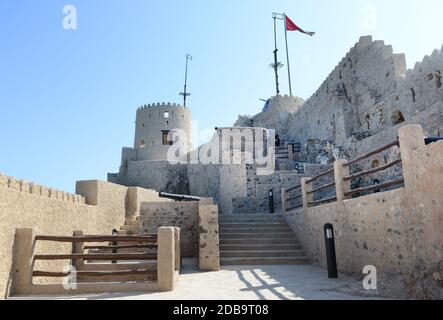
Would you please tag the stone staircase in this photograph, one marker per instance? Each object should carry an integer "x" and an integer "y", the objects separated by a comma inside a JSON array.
[{"x": 258, "y": 239}]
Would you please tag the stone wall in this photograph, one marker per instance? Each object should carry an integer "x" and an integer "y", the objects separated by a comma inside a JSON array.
[
  {"x": 157, "y": 175},
  {"x": 399, "y": 231},
  {"x": 220, "y": 182},
  {"x": 176, "y": 214},
  {"x": 369, "y": 92},
  {"x": 98, "y": 208}
]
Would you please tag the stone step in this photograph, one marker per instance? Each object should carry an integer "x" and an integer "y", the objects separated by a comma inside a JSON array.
[
  {"x": 252, "y": 241},
  {"x": 246, "y": 235},
  {"x": 263, "y": 230},
  {"x": 261, "y": 253},
  {"x": 129, "y": 228},
  {"x": 241, "y": 225},
  {"x": 264, "y": 261},
  {"x": 267, "y": 246},
  {"x": 251, "y": 218}
]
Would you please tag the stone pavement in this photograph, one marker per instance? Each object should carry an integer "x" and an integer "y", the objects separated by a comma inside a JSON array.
[{"x": 284, "y": 282}]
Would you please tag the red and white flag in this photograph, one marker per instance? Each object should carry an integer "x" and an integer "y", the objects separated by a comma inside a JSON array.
[{"x": 291, "y": 26}]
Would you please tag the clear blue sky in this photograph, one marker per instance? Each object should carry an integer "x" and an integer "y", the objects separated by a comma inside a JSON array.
[{"x": 68, "y": 98}]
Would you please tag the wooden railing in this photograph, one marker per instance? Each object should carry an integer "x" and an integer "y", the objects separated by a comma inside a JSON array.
[
  {"x": 384, "y": 185},
  {"x": 342, "y": 181},
  {"x": 139, "y": 242},
  {"x": 288, "y": 198},
  {"x": 311, "y": 191}
]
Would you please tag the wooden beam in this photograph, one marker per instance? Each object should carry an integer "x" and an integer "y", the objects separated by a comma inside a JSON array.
[
  {"x": 95, "y": 273},
  {"x": 314, "y": 203},
  {"x": 373, "y": 170},
  {"x": 113, "y": 256},
  {"x": 320, "y": 175},
  {"x": 135, "y": 246},
  {"x": 293, "y": 189},
  {"x": 374, "y": 152},
  {"x": 375, "y": 187},
  {"x": 147, "y": 239},
  {"x": 329, "y": 185}
]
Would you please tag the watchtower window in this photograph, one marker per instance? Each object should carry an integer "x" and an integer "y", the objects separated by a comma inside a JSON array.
[
  {"x": 165, "y": 138},
  {"x": 166, "y": 114},
  {"x": 142, "y": 144}
]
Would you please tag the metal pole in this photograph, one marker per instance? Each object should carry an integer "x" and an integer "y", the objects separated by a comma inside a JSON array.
[
  {"x": 271, "y": 201},
  {"x": 185, "y": 93},
  {"x": 331, "y": 258},
  {"x": 186, "y": 82},
  {"x": 275, "y": 56},
  {"x": 287, "y": 55}
]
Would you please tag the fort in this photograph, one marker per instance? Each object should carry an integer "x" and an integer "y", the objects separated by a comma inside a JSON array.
[{"x": 362, "y": 153}]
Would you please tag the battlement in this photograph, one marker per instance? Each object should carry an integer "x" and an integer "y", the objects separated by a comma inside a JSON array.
[
  {"x": 396, "y": 62},
  {"x": 39, "y": 190},
  {"x": 160, "y": 105},
  {"x": 432, "y": 62}
]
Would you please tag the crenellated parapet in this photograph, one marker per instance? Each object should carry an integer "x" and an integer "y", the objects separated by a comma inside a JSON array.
[
  {"x": 160, "y": 105},
  {"x": 32, "y": 188}
]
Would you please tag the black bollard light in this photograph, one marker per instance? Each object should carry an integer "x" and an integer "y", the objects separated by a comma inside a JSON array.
[
  {"x": 114, "y": 243},
  {"x": 330, "y": 251},
  {"x": 271, "y": 201}
]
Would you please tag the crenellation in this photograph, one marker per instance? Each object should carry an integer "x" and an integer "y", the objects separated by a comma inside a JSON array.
[
  {"x": 13, "y": 184},
  {"x": 36, "y": 189},
  {"x": 4, "y": 181},
  {"x": 24, "y": 186}
]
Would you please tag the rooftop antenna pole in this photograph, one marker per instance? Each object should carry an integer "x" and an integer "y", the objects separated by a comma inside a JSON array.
[
  {"x": 185, "y": 94},
  {"x": 276, "y": 65}
]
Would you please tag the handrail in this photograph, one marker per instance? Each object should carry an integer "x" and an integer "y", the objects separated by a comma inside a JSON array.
[
  {"x": 334, "y": 198},
  {"x": 429, "y": 140},
  {"x": 293, "y": 189},
  {"x": 147, "y": 239},
  {"x": 375, "y": 187},
  {"x": 320, "y": 175},
  {"x": 374, "y": 170},
  {"x": 329, "y": 185},
  {"x": 94, "y": 273},
  {"x": 294, "y": 197},
  {"x": 294, "y": 208},
  {"x": 85, "y": 256},
  {"x": 137, "y": 246},
  {"x": 374, "y": 152}
]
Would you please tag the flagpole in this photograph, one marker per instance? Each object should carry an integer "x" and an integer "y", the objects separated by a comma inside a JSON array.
[{"x": 287, "y": 54}]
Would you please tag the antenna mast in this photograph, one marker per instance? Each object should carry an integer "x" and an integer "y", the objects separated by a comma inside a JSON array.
[
  {"x": 185, "y": 93},
  {"x": 276, "y": 65}
]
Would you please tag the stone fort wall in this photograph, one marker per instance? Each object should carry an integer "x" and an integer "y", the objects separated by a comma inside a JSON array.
[
  {"x": 369, "y": 91},
  {"x": 97, "y": 208}
]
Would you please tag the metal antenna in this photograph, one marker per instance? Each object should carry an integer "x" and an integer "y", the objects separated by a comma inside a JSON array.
[
  {"x": 185, "y": 94},
  {"x": 276, "y": 65}
]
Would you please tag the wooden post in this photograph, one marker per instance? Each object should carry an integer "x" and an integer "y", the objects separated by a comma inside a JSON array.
[
  {"x": 411, "y": 138},
  {"x": 177, "y": 242},
  {"x": 284, "y": 199},
  {"x": 341, "y": 186},
  {"x": 77, "y": 247},
  {"x": 22, "y": 261},
  {"x": 166, "y": 259},
  {"x": 306, "y": 187}
]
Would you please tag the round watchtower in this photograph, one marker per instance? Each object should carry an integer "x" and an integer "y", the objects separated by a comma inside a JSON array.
[{"x": 153, "y": 126}]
